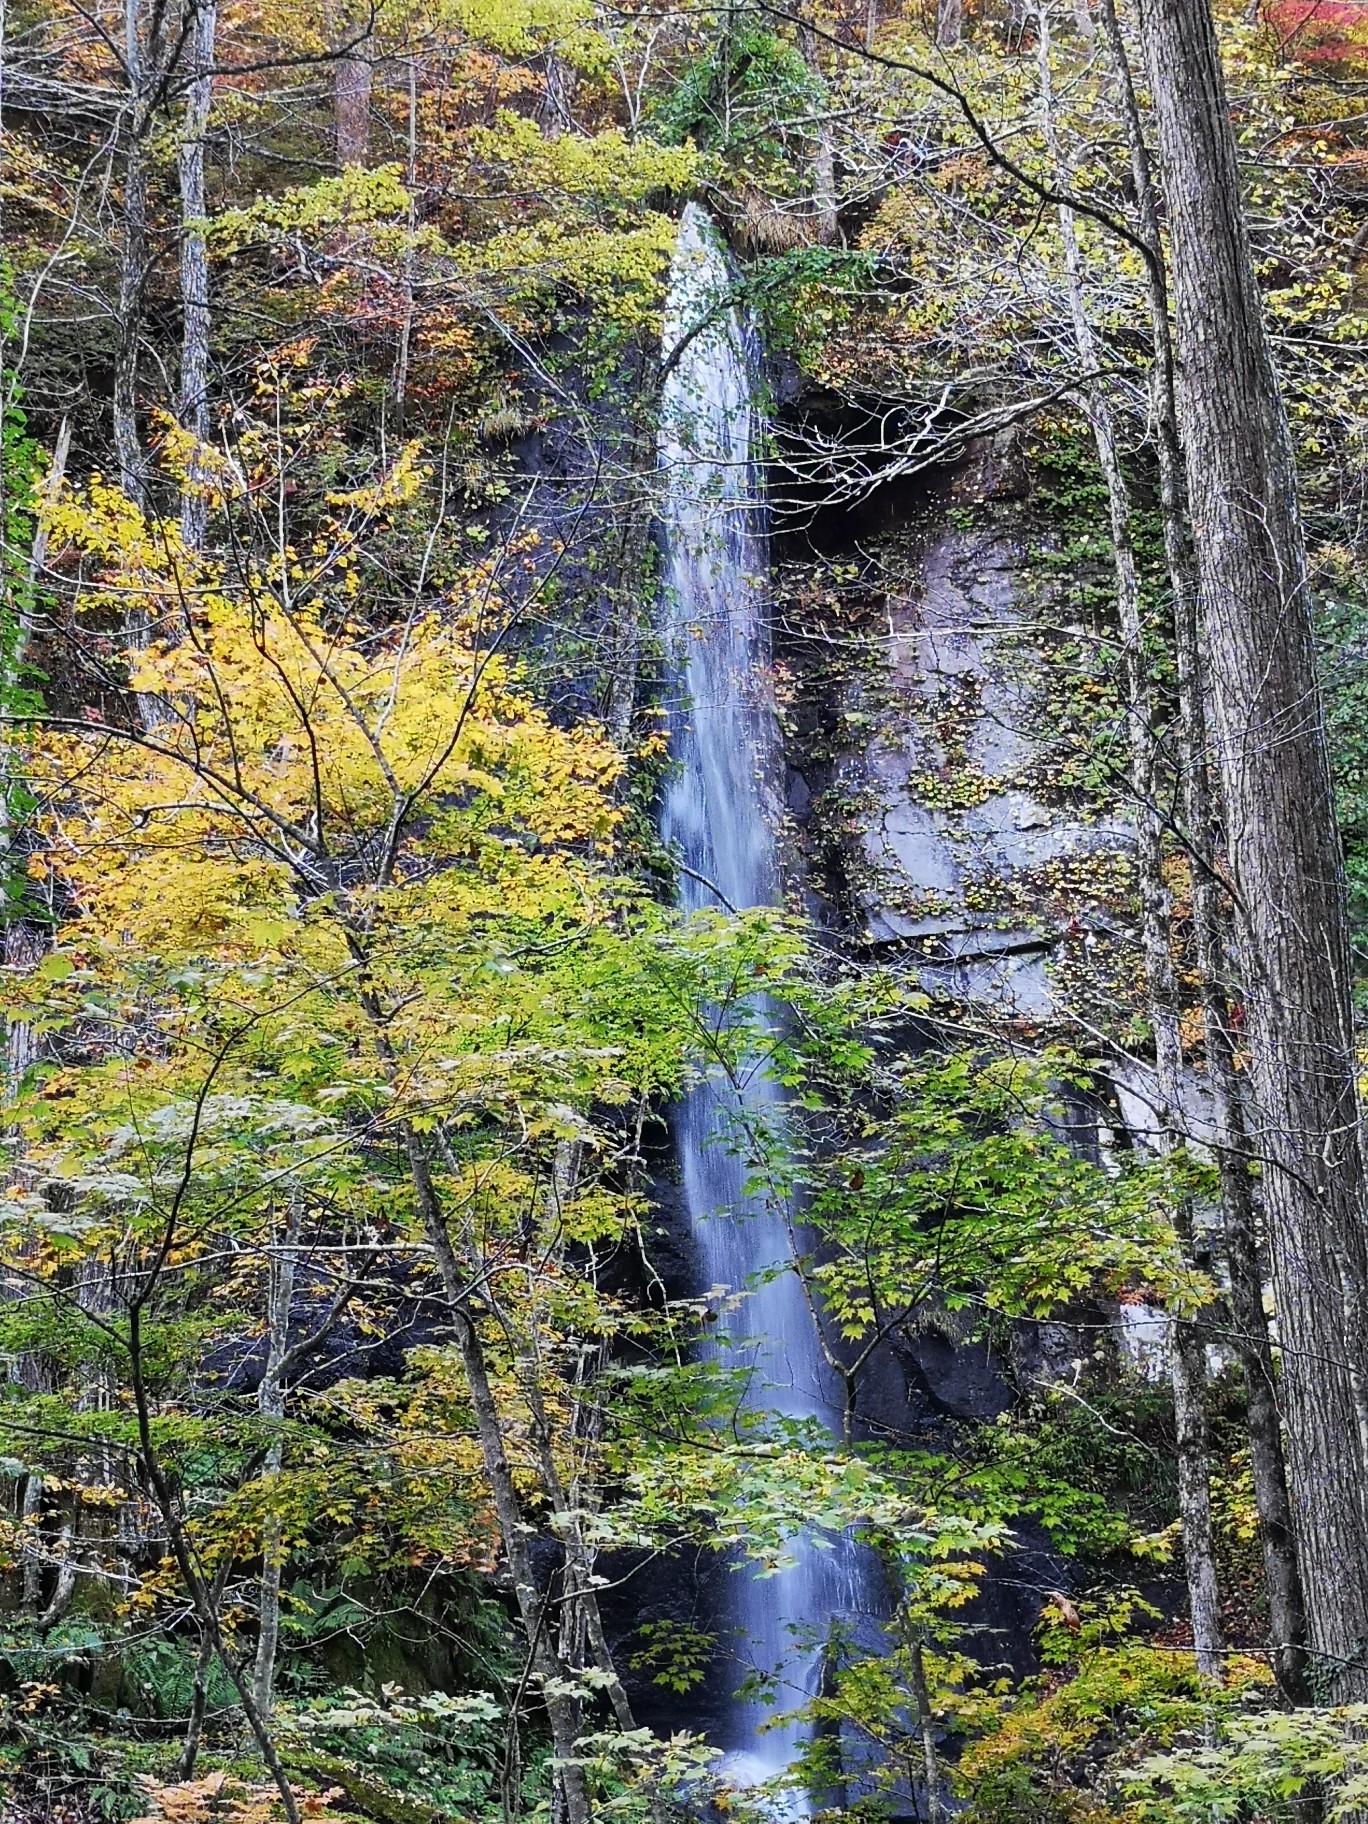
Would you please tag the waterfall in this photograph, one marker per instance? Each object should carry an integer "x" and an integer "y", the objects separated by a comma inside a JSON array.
[{"x": 719, "y": 817}]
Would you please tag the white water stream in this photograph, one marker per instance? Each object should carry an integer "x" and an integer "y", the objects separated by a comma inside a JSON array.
[{"x": 720, "y": 817}]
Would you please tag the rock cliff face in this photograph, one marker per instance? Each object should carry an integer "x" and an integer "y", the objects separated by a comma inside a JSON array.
[
  {"x": 954, "y": 815},
  {"x": 931, "y": 790}
]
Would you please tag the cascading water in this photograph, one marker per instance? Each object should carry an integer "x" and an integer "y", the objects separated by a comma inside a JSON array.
[{"x": 719, "y": 818}]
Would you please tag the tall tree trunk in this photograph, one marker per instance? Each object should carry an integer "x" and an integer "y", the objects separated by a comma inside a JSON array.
[
  {"x": 132, "y": 276},
  {"x": 925, "y": 1721},
  {"x": 1286, "y": 1608},
  {"x": 623, "y": 628},
  {"x": 194, "y": 269},
  {"x": 566, "y": 1503},
  {"x": 949, "y": 23},
  {"x": 554, "y": 1679},
  {"x": 203, "y": 1595},
  {"x": 199, "y": 1703},
  {"x": 352, "y": 101},
  {"x": 1187, "y": 1356},
  {"x": 552, "y": 1676},
  {"x": 22, "y": 946},
  {"x": 825, "y": 209},
  {"x": 142, "y": 60},
  {"x": 31, "y": 1542},
  {"x": 1282, "y": 839},
  {"x": 271, "y": 1405},
  {"x": 401, "y": 363},
  {"x": 143, "y": 47}
]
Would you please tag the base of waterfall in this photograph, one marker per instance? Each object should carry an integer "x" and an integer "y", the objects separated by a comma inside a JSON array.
[{"x": 746, "y": 1771}]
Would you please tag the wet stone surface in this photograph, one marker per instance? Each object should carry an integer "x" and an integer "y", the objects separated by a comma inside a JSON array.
[{"x": 954, "y": 856}]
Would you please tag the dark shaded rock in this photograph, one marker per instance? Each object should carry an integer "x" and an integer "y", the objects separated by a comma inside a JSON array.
[{"x": 962, "y": 1377}]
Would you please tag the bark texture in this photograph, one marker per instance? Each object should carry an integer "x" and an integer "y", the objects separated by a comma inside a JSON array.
[
  {"x": 1286, "y": 1607},
  {"x": 133, "y": 257},
  {"x": 534, "y": 1607},
  {"x": 194, "y": 268},
  {"x": 826, "y": 214},
  {"x": 1187, "y": 1354},
  {"x": 271, "y": 1404},
  {"x": 1283, "y": 845},
  {"x": 949, "y": 23},
  {"x": 351, "y": 105}
]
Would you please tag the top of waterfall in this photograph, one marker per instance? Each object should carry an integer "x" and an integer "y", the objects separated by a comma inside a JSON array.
[{"x": 710, "y": 353}]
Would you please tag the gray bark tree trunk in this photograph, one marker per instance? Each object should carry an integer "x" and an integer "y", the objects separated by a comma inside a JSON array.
[
  {"x": 142, "y": 49},
  {"x": 1263, "y": 1421},
  {"x": 567, "y": 1503},
  {"x": 401, "y": 363},
  {"x": 1283, "y": 844},
  {"x": 143, "y": 61},
  {"x": 825, "y": 207},
  {"x": 949, "y": 23},
  {"x": 1187, "y": 1355},
  {"x": 132, "y": 274},
  {"x": 271, "y": 1405},
  {"x": 352, "y": 104},
  {"x": 194, "y": 270},
  {"x": 563, "y": 1711}
]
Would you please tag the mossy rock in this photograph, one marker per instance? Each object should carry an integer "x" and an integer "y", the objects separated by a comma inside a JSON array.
[{"x": 363, "y": 1791}]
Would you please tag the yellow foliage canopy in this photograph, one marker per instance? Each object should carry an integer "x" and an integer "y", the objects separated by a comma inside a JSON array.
[{"x": 292, "y": 750}]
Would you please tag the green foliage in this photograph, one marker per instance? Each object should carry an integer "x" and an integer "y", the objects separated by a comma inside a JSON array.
[
  {"x": 160, "y": 1676},
  {"x": 1074, "y": 650},
  {"x": 804, "y": 296},
  {"x": 673, "y": 1654},
  {"x": 439, "y": 1750},
  {"x": 740, "y": 98},
  {"x": 1086, "y": 1466},
  {"x": 609, "y": 177},
  {"x": 379, "y": 887},
  {"x": 1259, "y": 1766},
  {"x": 1065, "y": 1747},
  {"x": 351, "y": 199},
  {"x": 961, "y": 1193}
]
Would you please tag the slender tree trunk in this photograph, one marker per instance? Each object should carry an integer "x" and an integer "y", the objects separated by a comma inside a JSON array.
[
  {"x": 926, "y": 1728},
  {"x": 1187, "y": 1355},
  {"x": 132, "y": 273},
  {"x": 825, "y": 208},
  {"x": 579, "y": 1563},
  {"x": 30, "y": 1515},
  {"x": 22, "y": 946},
  {"x": 401, "y": 364},
  {"x": 834, "y": 1797},
  {"x": 352, "y": 100},
  {"x": 199, "y": 1694},
  {"x": 824, "y": 187},
  {"x": 271, "y": 1405},
  {"x": 199, "y": 1698},
  {"x": 1287, "y": 1613},
  {"x": 563, "y": 1710},
  {"x": 65, "y": 1587},
  {"x": 1282, "y": 839},
  {"x": 556, "y": 108},
  {"x": 203, "y": 1595},
  {"x": 142, "y": 59},
  {"x": 133, "y": 258},
  {"x": 553, "y": 1677},
  {"x": 623, "y": 630},
  {"x": 194, "y": 271},
  {"x": 949, "y": 23}
]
